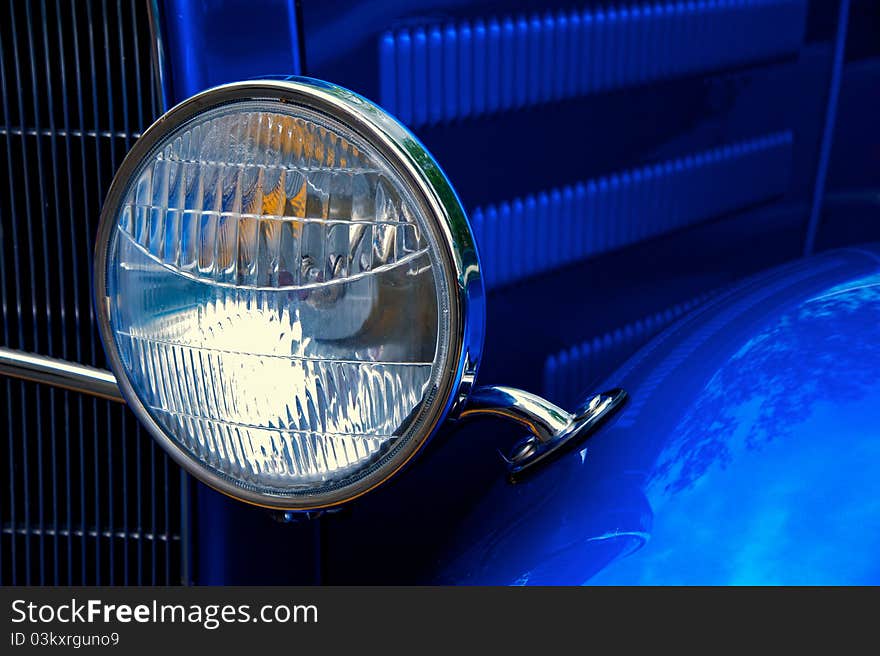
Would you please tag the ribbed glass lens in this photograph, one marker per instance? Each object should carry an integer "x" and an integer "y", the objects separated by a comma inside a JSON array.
[{"x": 274, "y": 298}]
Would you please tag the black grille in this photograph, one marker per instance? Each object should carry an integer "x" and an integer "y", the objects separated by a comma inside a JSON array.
[{"x": 89, "y": 497}]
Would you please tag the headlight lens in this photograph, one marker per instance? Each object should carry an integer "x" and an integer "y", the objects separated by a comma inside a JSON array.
[{"x": 278, "y": 297}]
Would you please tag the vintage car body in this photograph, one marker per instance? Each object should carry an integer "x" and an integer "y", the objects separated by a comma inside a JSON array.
[
  {"x": 648, "y": 185},
  {"x": 747, "y": 454}
]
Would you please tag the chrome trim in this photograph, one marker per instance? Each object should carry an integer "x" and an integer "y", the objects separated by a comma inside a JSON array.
[
  {"x": 403, "y": 151},
  {"x": 162, "y": 82},
  {"x": 551, "y": 428},
  {"x": 542, "y": 419},
  {"x": 59, "y": 373}
]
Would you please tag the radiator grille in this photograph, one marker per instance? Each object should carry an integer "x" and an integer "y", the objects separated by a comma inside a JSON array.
[
  {"x": 439, "y": 73},
  {"x": 548, "y": 230},
  {"x": 89, "y": 498}
]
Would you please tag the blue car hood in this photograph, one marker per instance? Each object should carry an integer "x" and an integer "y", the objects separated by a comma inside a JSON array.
[{"x": 749, "y": 452}]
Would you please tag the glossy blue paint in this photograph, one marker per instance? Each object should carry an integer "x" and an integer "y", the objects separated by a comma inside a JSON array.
[
  {"x": 211, "y": 42},
  {"x": 748, "y": 454}
]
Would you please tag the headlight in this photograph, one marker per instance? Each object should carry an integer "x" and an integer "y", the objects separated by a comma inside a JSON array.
[
  {"x": 288, "y": 291},
  {"x": 290, "y": 298}
]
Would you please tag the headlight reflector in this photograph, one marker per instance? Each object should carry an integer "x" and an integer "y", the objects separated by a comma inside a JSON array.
[{"x": 279, "y": 294}]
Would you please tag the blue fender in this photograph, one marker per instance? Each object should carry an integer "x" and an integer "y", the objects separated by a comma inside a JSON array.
[{"x": 749, "y": 452}]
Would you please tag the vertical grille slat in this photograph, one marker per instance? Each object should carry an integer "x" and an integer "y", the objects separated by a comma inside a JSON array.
[
  {"x": 10, "y": 553},
  {"x": 167, "y": 497},
  {"x": 125, "y": 533},
  {"x": 13, "y": 574},
  {"x": 98, "y": 186},
  {"x": 90, "y": 497},
  {"x": 83, "y": 159},
  {"x": 70, "y": 195},
  {"x": 111, "y": 128},
  {"x": 26, "y": 484},
  {"x": 137, "y": 80},
  {"x": 56, "y": 577},
  {"x": 59, "y": 249},
  {"x": 153, "y": 514},
  {"x": 68, "y": 505},
  {"x": 109, "y": 488},
  {"x": 122, "y": 49},
  {"x": 83, "y": 522},
  {"x": 77, "y": 351},
  {"x": 45, "y": 257},
  {"x": 110, "y": 112},
  {"x": 140, "y": 513},
  {"x": 5, "y": 311}
]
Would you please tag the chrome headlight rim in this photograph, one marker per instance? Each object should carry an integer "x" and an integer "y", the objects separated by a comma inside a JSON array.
[{"x": 426, "y": 181}]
